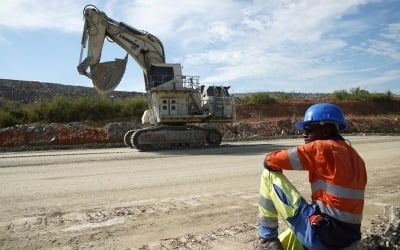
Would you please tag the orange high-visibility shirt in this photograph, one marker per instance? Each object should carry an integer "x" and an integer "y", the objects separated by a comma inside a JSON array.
[{"x": 337, "y": 176}]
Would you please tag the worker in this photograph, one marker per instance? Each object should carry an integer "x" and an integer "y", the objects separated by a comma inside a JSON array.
[{"x": 337, "y": 176}]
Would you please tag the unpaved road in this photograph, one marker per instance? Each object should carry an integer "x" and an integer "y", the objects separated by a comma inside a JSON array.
[{"x": 188, "y": 199}]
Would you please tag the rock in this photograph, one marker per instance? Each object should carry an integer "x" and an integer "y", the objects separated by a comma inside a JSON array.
[
  {"x": 115, "y": 131},
  {"x": 76, "y": 135},
  {"x": 392, "y": 213},
  {"x": 385, "y": 235}
]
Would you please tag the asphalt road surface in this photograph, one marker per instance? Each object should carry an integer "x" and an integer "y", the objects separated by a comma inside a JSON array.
[{"x": 120, "y": 198}]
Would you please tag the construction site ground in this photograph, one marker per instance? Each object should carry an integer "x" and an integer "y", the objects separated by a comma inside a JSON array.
[{"x": 120, "y": 198}]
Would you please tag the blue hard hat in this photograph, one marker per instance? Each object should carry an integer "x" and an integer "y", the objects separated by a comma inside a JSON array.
[{"x": 323, "y": 112}]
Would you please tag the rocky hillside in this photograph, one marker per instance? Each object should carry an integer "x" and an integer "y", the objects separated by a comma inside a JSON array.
[{"x": 30, "y": 91}]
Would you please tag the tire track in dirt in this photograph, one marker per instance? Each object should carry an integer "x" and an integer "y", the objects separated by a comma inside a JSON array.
[
  {"x": 132, "y": 210},
  {"x": 115, "y": 217}
]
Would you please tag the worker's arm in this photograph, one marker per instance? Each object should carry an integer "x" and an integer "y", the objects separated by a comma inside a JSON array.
[
  {"x": 277, "y": 160},
  {"x": 296, "y": 158}
]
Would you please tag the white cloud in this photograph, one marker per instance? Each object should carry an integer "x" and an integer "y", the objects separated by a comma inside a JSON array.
[
  {"x": 381, "y": 79},
  {"x": 41, "y": 14},
  {"x": 281, "y": 39},
  {"x": 389, "y": 44},
  {"x": 306, "y": 21},
  {"x": 392, "y": 31},
  {"x": 168, "y": 19},
  {"x": 230, "y": 40},
  {"x": 383, "y": 48}
]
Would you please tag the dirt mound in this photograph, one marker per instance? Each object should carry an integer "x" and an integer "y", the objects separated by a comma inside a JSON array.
[
  {"x": 296, "y": 109},
  {"x": 55, "y": 135},
  {"x": 262, "y": 121}
]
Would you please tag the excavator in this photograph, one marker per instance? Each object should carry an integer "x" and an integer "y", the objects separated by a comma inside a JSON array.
[{"x": 180, "y": 109}]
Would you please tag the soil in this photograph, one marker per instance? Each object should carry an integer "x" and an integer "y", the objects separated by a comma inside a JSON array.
[
  {"x": 119, "y": 198},
  {"x": 113, "y": 197}
]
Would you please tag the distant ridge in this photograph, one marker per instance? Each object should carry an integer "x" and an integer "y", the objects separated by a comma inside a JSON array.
[{"x": 31, "y": 91}]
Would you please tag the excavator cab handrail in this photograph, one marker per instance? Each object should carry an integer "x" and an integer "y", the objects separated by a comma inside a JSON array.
[{"x": 191, "y": 81}]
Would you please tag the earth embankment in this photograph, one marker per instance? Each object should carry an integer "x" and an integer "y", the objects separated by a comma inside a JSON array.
[{"x": 253, "y": 121}]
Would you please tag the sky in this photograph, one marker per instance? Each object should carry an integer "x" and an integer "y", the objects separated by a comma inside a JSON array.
[{"x": 311, "y": 46}]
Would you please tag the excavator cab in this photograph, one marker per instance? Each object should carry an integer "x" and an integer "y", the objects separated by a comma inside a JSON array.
[{"x": 160, "y": 74}]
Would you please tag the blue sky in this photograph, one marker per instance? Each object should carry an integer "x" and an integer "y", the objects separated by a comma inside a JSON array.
[{"x": 260, "y": 45}]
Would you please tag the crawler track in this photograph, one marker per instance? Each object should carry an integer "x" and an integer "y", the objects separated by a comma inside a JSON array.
[{"x": 170, "y": 137}]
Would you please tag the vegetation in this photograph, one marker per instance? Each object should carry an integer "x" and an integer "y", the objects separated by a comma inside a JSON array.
[
  {"x": 62, "y": 110},
  {"x": 358, "y": 94},
  {"x": 283, "y": 96},
  {"x": 257, "y": 98}
]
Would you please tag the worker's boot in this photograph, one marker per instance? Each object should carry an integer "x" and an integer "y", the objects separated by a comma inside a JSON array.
[{"x": 272, "y": 244}]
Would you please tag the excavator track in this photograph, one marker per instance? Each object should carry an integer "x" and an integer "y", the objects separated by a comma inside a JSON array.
[
  {"x": 127, "y": 138},
  {"x": 170, "y": 137}
]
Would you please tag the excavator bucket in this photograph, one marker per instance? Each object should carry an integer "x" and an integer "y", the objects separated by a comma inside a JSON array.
[{"x": 107, "y": 75}]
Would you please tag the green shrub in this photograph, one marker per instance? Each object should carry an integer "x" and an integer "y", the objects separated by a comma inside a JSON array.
[
  {"x": 37, "y": 112},
  {"x": 7, "y": 119},
  {"x": 98, "y": 109},
  {"x": 340, "y": 95},
  {"x": 62, "y": 110},
  {"x": 382, "y": 97},
  {"x": 284, "y": 96},
  {"x": 258, "y": 98},
  {"x": 133, "y": 107},
  {"x": 11, "y": 113},
  {"x": 358, "y": 94}
]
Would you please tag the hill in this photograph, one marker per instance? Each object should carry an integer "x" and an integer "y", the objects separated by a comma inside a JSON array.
[{"x": 31, "y": 91}]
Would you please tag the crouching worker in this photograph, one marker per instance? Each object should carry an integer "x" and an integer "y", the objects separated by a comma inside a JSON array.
[{"x": 337, "y": 176}]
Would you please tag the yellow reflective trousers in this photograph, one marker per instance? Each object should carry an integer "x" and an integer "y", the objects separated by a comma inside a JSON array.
[{"x": 279, "y": 196}]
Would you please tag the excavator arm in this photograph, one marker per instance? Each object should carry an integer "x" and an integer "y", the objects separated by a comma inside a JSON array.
[{"x": 144, "y": 47}]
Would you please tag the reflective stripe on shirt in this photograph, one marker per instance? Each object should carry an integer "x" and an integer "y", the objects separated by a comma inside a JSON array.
[
  {"x": 294, "y": 159},
  {"x": 338, "y": 214},
  {"x": 336, "y": 190}
]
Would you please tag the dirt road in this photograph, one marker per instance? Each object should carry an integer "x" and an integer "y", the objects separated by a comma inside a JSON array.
[{"x": 125, "y": 199}]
